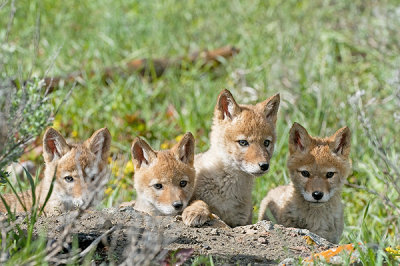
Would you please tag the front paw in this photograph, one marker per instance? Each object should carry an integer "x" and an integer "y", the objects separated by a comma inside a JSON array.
[{"x": 195, "y": 217}]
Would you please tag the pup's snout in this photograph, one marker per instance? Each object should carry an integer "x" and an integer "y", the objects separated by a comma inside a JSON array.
[
  {"x": 177, "y": 205},
  {"x": 317, "y": 195},
  {"x": 264, "y": 166}
]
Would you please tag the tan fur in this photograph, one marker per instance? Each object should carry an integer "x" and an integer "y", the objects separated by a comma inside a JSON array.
[
  {"x": 86, "y": 163},
  {"x": 168, "y": 168},
  {"x": 294, "y": 205},
  {"x": 225, "y": 173}
]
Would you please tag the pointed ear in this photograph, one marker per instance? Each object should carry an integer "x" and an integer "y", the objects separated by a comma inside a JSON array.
[
  {"x": 184, "y": 150},
  {"x": 99, "y": 143},
  {"x": 54, "y": 145},
  {"x": 341, "y": 142},
  {"x": 270, "y": 107},
  {"x": 142, "y": 153},
  {"x": 299, "y": 139},
  {"x": 226, "y": 106}
]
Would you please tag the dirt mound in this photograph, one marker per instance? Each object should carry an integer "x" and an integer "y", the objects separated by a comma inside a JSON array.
[{"x": 260, "y": 243}]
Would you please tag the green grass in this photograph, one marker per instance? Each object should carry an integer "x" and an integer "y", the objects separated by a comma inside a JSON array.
[{"x": 315, "y": 53}]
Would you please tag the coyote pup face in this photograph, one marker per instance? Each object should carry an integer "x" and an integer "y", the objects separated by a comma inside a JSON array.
[
  {"x": 244, "y": 135},
  {"x": 164, "y": 180},
  {"x": 79, "y": 169},
  {"x": 318, "y": 167}
]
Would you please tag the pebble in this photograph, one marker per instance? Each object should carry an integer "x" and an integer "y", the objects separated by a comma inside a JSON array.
[
  {"x": 178, "y": 218},
  {"x": 107, "y": 224},
  {"x": 268, "y": 226},
  {"x": 287, "y": 261},
  {"x": 214, "y": 232},
  {"x": 207, "y": 247},
  {"x": 262, "y": 240}
]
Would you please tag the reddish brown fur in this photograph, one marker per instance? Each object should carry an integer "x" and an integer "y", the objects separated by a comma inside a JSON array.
[
  {"x": 86, "y": 163},
  {"x": 168, "y": 168},
  {"x": 294, "y": 205},
  {"x": 225, "y": 173}
]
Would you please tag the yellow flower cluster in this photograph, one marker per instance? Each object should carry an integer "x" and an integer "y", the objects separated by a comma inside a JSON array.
[
  {"x": 309, "y": 240},
  {"x": 168, "y": 144},
  {"x": 108, "y": 191},
  {"x": 165, "y": 145},
  {"x": 393, "y": 251},
  {"x": 57, "y": 124},
  {"x": 120, "y": 175},
  {"x": 129, "y": 169}
]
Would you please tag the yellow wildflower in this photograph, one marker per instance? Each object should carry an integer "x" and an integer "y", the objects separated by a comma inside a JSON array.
[
  {"x": 57, "y": 124},
  {"x": 129, "y": 169},
  {"x": 74, "y": 133},
  {"x": 309, "y": 240},
  {"x": 393, "y": 251},
  {"x": 115, "y": 169},
  {"x": 164, "y": 146},
  {"x": 108, "y": 191},
  {"x": 178, "y": 138}
]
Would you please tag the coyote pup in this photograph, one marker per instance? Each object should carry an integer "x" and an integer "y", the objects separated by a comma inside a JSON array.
[
  {"x": 77, "y": 169},
  {"x": 318, "y": 168},
  {"x": 164, "y": 180},
  {"x": 242, "y": 143}
]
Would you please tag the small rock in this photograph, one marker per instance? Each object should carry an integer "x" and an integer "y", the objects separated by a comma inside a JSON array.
[
  {"x": 110, "y": 210},
  {"x": 123, "y": 209},
  {"x": 178, "y": 218},
  {"x": 206, "y": 247},
  {"x": 107, "y": 224},
  {"x": 336, "y": 260},
  {"x": 287, "y": 261},
  {"x": 262, "y": 240},
  {"x": 214, "y": 232},
  {"x": 267, "y": 225}
]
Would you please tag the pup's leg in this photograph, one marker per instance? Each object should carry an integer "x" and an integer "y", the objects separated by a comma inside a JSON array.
[
  {"x": 196, "y": 214},
  {"x": 250, "y": 220},
  {"x": 262, "y": 214}
]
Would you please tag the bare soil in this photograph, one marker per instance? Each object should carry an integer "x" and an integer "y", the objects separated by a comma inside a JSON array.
[{"x": 260, "y": 243}]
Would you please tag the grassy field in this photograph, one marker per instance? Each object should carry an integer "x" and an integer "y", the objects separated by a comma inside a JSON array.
[{"x": 335, "y": 63}]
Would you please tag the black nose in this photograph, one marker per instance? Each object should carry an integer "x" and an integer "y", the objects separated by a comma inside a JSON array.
[
  {"x": 264, "y": 166},
  {"x": 177, "y": 205},
  {"x": 317, "y": 195}
]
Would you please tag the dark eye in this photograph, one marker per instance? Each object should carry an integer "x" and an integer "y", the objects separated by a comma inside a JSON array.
[
  {"x": 267, "y": 142},
  {"x": 305, "y": 173},
  {"x": 243, "y": 142},
  {"x": 158, "y": 186},
  {"x": 330, "y": 174},
  {"x": 69, "y": 179},
  {"x": 183, "y": 183}
]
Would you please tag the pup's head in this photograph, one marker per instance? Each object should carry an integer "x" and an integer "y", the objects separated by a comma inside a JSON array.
[
  {"x": 164, "y": 179},
  {"x": 318, "y": 167},
  {"x": 244, "y": 135},
  {"x": 78, "y": 169}
]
